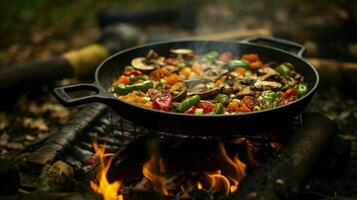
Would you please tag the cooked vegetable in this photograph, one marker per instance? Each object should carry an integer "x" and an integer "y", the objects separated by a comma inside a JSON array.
[
  {"x": 182, "y": 51},
  {"x": 141, "y": 64},
  {"x": 130, "y": 71},
  {"x": 206, "y": 106},
  {"x": 250, "y": 102},
  {"x": 269, "y": 96},
  {"x": 133, "y": 79},
  {"x": 251, "y": 57},
  {"x": 179, "y": 91},
  {"x": 212, "y": 55},
  {"x": 225, "y": 56},
  {"x": 209, "y": 83},
  {"x": 122, "y": 80},
  {"x": 284, "y": 70},
  {"x": 187, "y": 103},
  {"x": 301, "y": 89},
  {"x": 203, "y": 90},
  {"x": 162, "y": 102},
  {"x": 234, "y": 64},
  {"x": 222, "y": 98},
  {"x": 218, "y": 108},
  {"x": 199, "y": 111},
  {"x": 288, "y": 96},
  {"x": 126, "y": 89}
]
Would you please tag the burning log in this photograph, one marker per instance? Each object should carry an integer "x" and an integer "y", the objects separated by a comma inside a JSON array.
[
  {"x": 60, "y": 140},
  {"x": 214, "y": 167},
  {"x": 283, "y": 176}
]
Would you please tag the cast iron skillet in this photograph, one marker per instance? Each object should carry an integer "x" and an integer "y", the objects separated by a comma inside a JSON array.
[{"x": 213, "y": 125}]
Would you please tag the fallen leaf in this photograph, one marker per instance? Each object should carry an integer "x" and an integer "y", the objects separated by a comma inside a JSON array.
[{"x": 39, "y": 124}]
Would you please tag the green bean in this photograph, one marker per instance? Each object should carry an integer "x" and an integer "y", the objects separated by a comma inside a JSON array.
[
  {"x": 218, "y": 108},
  {"x": 234, "y": 64},
  {"x": 187, "y": 103},
  {"x": 133, "y": 79},
  {"x": 222, "y": 98},
  {"x": 126, "y": 89}
]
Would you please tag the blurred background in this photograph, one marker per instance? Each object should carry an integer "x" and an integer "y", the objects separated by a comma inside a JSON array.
[{"x": 37, "y": 30}]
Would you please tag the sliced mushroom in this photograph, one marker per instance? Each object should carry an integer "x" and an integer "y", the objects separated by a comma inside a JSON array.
[
  {"x": 267, "y": 85},
  {"x": 170, "y": 68},
  {"x": 192, "y": 83},
  {"x": 238, "y": 86},
  {"x": 203, "y": 91},
  {"x": 139, "y": 63},
  {"x": 213, "y": 73},
  {"x": 152, "y": 55},
  {"x": 178, "y": 91},
  {"x": 266, "y": 72},
  {"x": 246, "y": 91},
  {"x": 245, "y": 81},
  {"x": 187, "y": 52},
  {"x": 226, "y": 89},
  {"x": 227, "y": 78}
]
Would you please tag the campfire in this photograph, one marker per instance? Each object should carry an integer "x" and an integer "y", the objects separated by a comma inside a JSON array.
[
  {"x": 156, "y": 177},
  {"x": 116, "y": 159}
]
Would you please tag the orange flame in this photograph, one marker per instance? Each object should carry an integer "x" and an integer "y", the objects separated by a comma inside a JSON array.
[
  {"x": 199, "y": 186},
  {"x": 227, "y": 179},
  {"x": 218, "y": 182},
  {"x": 108, "y": 190},
  {"x": 153, "y": 170},
  {"x": 251, "y": 150}
]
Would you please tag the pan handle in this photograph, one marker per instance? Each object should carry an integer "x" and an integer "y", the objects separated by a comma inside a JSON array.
[
  {"x": 280, "y": 43},
  {"x": 63, "y": 94}
]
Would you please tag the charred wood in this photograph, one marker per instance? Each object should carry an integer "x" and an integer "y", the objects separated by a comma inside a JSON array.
[
  {"x": 282, "y": 177},
  {"x": 64, "y": 137}
]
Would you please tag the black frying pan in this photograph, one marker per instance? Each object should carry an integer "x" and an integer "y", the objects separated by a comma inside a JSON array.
[{"x": 216, "y": 125}]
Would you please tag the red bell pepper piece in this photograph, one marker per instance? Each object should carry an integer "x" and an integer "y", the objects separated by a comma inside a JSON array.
[
  {"x": 225, "y": 56},
  {"x": 132, "y": 73},
  {"x": 162, "y": 102},
  {"x": 250, "y": 102},
  {"x": 191, "y": 110},
  {"x": 288, "y": 96},
  {"x": 171, "y": 61},
  {"x": 250, "y": 57},
  {"x": 207, "y": 107}
]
